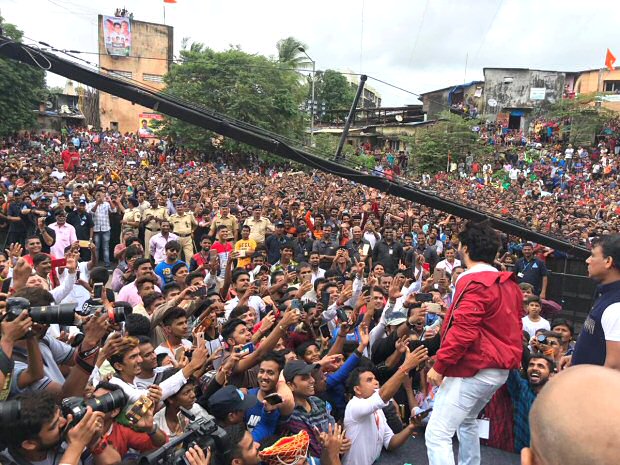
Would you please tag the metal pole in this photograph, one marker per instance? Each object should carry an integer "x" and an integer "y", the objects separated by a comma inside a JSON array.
[
  {"x": 347, "y": 124},
  {"x": 312, "y": 104},
  {"x": 303, "y": 50}
]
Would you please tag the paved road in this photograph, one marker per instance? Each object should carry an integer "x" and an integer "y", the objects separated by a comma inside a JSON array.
[{"x": 414, "y": 453}]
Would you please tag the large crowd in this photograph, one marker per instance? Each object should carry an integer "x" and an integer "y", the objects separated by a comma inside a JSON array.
[
  {"x": 533, "y": 179},
  {"x": 251, "y": 312}
]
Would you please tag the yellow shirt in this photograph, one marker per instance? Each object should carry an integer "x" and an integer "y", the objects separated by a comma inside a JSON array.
[{"x": 245, "y": 246}]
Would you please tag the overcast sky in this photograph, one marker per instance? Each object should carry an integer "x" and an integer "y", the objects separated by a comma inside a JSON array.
[{"x": 419, "y": 45}]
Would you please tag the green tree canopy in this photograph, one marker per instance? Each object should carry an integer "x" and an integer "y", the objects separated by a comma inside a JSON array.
[
  {"x": 21, "y": 89},
  {"x": 452, "y": 134},
  {"x": 252, "y": 88},
  {"x": 582, "y": 118},
  {"x": 289, "y": 53},
  {"x": 333, "y": 92}
]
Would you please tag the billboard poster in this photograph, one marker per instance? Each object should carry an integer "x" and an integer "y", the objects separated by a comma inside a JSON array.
[
  {"x": 146, "y": 128},
  {"x": 117, "y": 35}
]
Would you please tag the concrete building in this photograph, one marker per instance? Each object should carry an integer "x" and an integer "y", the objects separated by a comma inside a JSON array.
[
  {"x": 370, "y": 98},
  {"x": 456, "y": 98},
  {"x": 145, "y": 59},
  {"x": 512, "y": 94},
  {"x": 601, "y": 81}
]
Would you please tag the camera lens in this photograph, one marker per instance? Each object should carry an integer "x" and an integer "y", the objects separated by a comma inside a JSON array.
[
  {"x": 542, "y": 339},
  {"x": 108, "y": 402},
  {"x": 63, "y": 314},
  {"x": 9, "y": 411}
]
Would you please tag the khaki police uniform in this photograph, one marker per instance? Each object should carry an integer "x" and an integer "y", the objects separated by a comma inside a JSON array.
[
  {"x": 133, "y": 215},
  {"x": 183, "y": 226},
  {"x": 152, "y": 227}
]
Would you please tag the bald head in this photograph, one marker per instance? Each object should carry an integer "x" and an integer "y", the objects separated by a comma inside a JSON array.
[{"x": 576, "y": 419}]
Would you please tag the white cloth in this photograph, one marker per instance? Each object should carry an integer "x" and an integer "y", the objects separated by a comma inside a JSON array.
[
  {"x": 160, "y": 418},
  {"x": 457, "y": 405},
  {"x": 532, "y": 326},
  {"x": 367, "y": 429},
  {"x": 254, "y": 302},
  {"x": 611, "y": 322},
  {"x": 169, "y": 387},
  {"x": 446, "y": 265}
]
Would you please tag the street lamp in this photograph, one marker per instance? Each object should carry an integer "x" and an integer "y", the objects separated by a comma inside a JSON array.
[{"x": 303, "y": 50}]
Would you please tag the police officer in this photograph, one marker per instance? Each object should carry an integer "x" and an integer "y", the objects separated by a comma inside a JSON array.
[
  {"x": 152, "y": 218},
  {"x": 183, "y": 224},
  {"x": 131, "y": 218}
]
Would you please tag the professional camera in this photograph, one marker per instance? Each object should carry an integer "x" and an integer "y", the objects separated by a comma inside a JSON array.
[
  {"x": 117, "y": 314},
  {"x": 201, "y": 432},
  {"x": 63, "y": 314},
  {"x": 76, "y": 406}
]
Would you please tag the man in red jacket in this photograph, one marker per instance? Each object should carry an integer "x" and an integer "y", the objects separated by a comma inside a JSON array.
[{"x": 481, "y": 341}]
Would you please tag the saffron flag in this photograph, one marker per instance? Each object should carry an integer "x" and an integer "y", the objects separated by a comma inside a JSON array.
[
  {"x": 170, "y": 1},
  {"x": 610, "y": 59}
]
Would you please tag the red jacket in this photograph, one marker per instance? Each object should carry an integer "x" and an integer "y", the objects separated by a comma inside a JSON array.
[{"x": 483, "y": 327}]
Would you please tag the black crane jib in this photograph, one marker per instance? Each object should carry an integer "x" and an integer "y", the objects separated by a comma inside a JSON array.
[{"x": 264, "y": 140}]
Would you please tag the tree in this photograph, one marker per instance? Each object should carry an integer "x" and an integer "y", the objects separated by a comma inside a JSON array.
[
  {"x": 289, "y": 53},
  {"x": 22, "y": 87},
  {"x": 452, "y": 135},
  {"x": 582, "y": 118},
  {"x": 333, "y": 92},
  {"x": 250, "y": 88}
]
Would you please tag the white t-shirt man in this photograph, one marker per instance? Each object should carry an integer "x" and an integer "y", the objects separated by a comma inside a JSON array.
[
  {"x": 532, "y": 326},
  {"x": 367, "y": 429},
  {"x": 446, "y": 265}
]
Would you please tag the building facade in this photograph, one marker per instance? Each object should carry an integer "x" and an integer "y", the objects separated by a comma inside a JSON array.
[
  {"x": 512, "y": 95},
  {"x": 461, "y": 98},
  {"x": 601, "y": 81},
  {"x": 144, "y": 59}
]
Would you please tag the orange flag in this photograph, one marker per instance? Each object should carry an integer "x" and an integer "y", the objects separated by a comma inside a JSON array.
[
  {"x": 610, "y": 59},
  {"x": 170, "y": 1}
]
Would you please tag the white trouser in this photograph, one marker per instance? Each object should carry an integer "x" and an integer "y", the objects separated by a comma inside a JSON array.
[{"x": 457, "y": 405}]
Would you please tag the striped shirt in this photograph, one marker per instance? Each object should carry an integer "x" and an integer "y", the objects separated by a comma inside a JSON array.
[
  {"x": 318, "y": 417},
  {"x": 101, "y": 216}
]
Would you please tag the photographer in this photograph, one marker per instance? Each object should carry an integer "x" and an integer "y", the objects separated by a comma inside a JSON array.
[
  {"x": 36, "y": 435},
  {"x": 56, "y": 354},
  {"x": 10, "y": 333},
  {"x": 117, "y": 439}
]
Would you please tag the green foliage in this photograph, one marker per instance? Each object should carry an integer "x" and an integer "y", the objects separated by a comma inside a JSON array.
[
  {"x": 333, "y": 92},
  {"x": 289, "y": 53},
  {"x": 251, "y": 88},
  {"x": 327, "y": 144},
  {"x": 451, "y": 134},
  {"x": 583, "y": 119},
  {"x": 21, "y": 89}
]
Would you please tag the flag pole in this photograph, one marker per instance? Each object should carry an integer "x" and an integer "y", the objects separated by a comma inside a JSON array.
[{"x": 164, "y": 13}]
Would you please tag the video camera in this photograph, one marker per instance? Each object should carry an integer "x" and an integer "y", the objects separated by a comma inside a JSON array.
[
  {"x": 77, "y": 406},
  {"x": 201, "y": 432},
  {"x": 63, "y": 314}
]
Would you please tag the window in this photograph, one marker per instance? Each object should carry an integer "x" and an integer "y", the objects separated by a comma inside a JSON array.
[
  {"x": 153, "y": 78},
  {"x": 612, "y": 86},
  {"x": 121, "y": 74}
]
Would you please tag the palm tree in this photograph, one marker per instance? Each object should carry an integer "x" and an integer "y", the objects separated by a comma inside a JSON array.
[{"x": 290, "y": 54}]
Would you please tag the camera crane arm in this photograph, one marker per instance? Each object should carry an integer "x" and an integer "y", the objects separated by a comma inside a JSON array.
[{"x": 267, "y": 141}]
